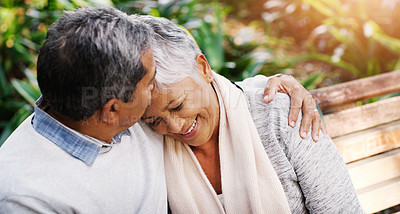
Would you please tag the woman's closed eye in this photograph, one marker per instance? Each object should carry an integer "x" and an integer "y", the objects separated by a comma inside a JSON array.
[{"x": 178, "y": 107}]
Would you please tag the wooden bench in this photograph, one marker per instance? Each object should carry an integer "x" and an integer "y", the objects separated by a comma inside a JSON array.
[{"x": 367, "y": 136}]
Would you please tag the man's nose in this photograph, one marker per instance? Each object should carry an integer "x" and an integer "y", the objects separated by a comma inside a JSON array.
[{"x": 175, "y": 124}]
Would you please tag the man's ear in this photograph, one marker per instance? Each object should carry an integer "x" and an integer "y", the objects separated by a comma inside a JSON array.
[
  {"x": 109, "y": 113},
  {"x": 204, "y": 68}
]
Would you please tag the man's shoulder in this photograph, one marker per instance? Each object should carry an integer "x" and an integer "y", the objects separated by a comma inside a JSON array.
[
  {"x": 24, "y": 152},
  {"x": 142, "y": 131},
  {"x": 25, "y": 140},
  {"x": 23, "y": 134}
]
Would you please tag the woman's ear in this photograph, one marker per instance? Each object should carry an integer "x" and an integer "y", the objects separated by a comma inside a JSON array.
[
  {"x": 109, "y": 113},
  {"x": 204, "y": 68}
]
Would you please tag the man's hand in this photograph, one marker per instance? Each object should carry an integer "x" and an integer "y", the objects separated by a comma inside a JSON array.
[{"x": 301, "y": 99}]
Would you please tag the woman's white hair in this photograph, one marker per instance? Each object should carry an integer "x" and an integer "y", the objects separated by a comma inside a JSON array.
[{"x": 174, "y": 51}]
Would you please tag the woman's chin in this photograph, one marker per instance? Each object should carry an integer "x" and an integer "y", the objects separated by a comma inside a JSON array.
[{"x": 192, "y": 138}]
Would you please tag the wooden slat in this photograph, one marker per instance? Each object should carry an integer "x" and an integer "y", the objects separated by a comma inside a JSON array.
[
  {"x": 339, "y": 108},
  {"x": 363, "y": 117},
  {"x": 357, "y": 89},
  {"x": 375, "y": 170},
  {"x": 381, "y": 196},
  {"x": 369, "y": 142}
]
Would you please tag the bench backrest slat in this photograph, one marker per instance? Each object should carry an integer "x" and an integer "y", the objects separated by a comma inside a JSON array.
[
  {"x": 381, "y": 196},
  {"x": 363, "y": 117},
  {"x": 370, "y": 142},
  {"x": 373, "y": 168},
  {"x": 360, "y": 89}
]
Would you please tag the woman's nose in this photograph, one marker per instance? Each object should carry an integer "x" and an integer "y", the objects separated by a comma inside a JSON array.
[{"x": 175, "y": 124}]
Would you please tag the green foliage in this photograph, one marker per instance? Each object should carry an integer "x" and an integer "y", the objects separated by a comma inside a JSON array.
[
  {"x": 27, "y": 88},
  {"x": 210, "y": 37},
  {"x": 358, "y": 37},
  {"x": 182, "y": 12},
  {"x": 312, "y": 80},
  {"x": 354, "y": 36}
]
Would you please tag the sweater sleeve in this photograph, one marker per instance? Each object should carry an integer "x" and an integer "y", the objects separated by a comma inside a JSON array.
[
  {"x": 29, "y": 204},
  {"x": 321, "y": 172},
  {"x": 259, "y": 81}
]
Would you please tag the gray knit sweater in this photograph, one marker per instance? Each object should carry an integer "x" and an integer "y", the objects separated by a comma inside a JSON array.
[{"x": 313, "y": 175}]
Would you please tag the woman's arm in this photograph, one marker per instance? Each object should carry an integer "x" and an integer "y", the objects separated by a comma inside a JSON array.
[{"x": 321, "y": 172}]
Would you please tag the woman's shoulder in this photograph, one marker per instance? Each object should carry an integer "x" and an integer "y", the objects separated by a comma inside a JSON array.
[
  {"x": 273, "y": 114},
  {"x": 271, "y": 120}
]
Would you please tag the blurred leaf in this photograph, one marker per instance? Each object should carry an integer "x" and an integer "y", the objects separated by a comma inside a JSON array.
[
  {"x": 209, "y": 37},
  {"x": 378, "y": 35},
  {"x": 12, "y": 105},
  {"x": 312, "y": 81},
  {"x": 155, "y": 12},
  {"x": 373, "y": 67},
  {"x": 336, "y": 5},
  {"x": 5, "y": 89},
  {"x": 26, "y": 90},
  {"x": 337, "y": 34},
  {"x": 28, "y": 43},
  {"x": 319, "y": 6},
  {"x": 397, "y": 66},
  {"x": 68, "y": 5},
  {"x": 31, "y": 78},
  {"x": 321, "y": 57},
  {"x": 102, "y": 2},
  {"x": 252, "y": 69},
  {"x": 389, "y": 95}
]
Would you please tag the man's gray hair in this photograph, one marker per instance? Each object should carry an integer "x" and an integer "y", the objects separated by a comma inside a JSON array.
[
  {"x": 174, "y": 51},
  {"x": 91, "y": 55}
]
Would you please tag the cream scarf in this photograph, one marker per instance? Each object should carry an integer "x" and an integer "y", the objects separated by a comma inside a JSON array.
[{"x": 249, "y": 182}]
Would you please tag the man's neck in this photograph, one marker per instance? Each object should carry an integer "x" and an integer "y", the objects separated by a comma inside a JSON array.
[{"x": 92, "y": 126}]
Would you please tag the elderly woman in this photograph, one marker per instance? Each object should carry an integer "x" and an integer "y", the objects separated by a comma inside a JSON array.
[{"x": 226, "y": 151}]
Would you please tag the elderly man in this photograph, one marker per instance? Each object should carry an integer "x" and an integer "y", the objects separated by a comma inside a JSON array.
[{"x": 83, "y": 150}]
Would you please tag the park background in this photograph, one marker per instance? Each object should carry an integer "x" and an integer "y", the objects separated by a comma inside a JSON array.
[{"x": 319, "y": 42}]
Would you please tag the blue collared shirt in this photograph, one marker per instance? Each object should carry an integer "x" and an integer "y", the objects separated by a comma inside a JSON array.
[{"x": 81, "y": 146}]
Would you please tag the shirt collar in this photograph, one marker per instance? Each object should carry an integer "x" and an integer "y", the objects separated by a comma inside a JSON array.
[{"x": 81, "y": 146}]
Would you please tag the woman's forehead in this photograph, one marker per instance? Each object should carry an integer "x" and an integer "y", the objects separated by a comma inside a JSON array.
[
  {"x": 188, "y": 84},
  {"x": 166, "y": 95}
]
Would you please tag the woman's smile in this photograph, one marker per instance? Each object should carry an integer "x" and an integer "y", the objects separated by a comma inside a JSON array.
[{"x": 191, "y": 131}]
